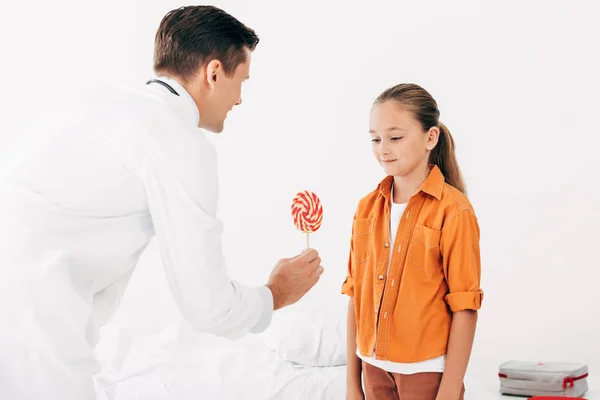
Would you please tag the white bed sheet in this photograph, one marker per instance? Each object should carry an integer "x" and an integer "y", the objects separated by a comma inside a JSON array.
[{"x": 206, "y": 367}]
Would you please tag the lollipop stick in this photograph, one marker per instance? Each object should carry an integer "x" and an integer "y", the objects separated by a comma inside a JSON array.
[{"x": 307, "y": 243}]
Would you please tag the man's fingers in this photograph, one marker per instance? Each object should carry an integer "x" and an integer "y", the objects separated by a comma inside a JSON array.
[
  {"x": 311, "y": 267},
  {"x": 317, "y": 272},
  {"x": 308, "y": 255}
]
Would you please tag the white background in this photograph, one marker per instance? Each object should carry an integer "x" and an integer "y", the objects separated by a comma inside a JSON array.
[{"x": 517, "y": 84}]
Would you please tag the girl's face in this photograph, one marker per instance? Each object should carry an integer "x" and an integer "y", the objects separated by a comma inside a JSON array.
[{"x": 399, "y": 143}]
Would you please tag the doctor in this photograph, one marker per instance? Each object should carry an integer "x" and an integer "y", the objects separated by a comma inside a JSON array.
[{"x": 82, "y": 197}]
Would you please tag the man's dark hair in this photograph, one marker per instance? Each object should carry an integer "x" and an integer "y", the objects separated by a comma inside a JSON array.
[{"x": 190, "y": 37}]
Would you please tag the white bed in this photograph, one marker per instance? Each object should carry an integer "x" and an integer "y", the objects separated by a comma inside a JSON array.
[
  {"x": 149, "y": 352},
  {"x": 204, "y": 367}
]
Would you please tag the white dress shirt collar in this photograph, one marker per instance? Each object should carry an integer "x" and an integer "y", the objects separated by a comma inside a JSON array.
[{"x": 185, "y": 100}]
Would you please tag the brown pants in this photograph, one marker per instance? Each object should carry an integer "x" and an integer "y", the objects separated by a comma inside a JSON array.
[{"x": 383, "y": 385}]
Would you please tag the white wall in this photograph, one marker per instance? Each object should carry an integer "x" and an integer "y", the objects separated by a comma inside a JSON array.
[{"x": 517, "y": 85}]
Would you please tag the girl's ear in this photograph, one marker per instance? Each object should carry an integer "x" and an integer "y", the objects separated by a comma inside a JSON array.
[{"x": 433, "y": 135}]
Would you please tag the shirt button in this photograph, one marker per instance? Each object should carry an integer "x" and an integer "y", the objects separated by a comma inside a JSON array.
[
  {"x": 387, "y": 244},
  {"x": 380, "y": 277}
]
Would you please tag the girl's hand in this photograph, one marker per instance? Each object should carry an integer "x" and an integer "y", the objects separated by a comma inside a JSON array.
[
  {"x": 447, "y": 395},
  {"x": 354, "y": 393}
]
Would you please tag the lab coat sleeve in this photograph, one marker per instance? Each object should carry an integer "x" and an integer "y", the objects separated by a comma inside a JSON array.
[{"x": 182, "y": 190}]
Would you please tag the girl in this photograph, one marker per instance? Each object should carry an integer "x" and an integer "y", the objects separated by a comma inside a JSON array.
[{"x": 414, "y": 267}]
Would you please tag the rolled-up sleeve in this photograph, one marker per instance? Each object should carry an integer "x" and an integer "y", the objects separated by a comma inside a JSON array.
[
  {"x": 182, "y": 190},
  {"x": 348, "y": 286},
  {"x": 459, "y": 245}
]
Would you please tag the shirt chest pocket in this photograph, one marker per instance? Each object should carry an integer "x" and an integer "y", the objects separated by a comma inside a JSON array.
[
  {"x": 362, "y": 237},
  {"x": 424, "y": 250}
]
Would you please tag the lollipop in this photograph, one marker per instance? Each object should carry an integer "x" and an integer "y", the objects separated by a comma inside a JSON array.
[{"x": 307, "y": 212}]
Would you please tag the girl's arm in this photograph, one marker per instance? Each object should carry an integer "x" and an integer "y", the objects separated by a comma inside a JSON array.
[
  {"x": 354, "y": 367},
  {"x": 462, "y": 333},
  {"x": 459, "y": 246}
]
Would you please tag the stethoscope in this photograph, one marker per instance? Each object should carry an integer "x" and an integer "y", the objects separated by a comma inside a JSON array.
[{"x": 169, "y": 88}]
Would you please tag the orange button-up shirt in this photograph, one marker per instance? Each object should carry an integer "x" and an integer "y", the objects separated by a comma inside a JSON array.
[{"x": 405, "y": 315}]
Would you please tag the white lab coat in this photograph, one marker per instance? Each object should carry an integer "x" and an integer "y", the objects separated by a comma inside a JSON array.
[{"x": 80, "y": 199}]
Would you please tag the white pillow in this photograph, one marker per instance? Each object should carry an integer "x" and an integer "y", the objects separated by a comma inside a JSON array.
[{"x": 311, "y": 332}]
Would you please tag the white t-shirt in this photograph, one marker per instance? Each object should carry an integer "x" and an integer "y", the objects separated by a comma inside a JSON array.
[{"x": 433, "y": 365}]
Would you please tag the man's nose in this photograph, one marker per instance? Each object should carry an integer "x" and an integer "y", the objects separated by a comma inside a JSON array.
[{"x": 239, "y": 102}]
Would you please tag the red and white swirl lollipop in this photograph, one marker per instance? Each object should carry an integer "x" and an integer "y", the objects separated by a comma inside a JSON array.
[{"x": 307, "y": 212}]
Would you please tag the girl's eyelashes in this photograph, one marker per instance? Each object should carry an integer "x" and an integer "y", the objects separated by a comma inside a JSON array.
[{"x": 396, "y": 138}]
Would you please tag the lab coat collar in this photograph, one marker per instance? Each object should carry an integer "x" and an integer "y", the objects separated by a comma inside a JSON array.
[{"x": 185, "y": 101}]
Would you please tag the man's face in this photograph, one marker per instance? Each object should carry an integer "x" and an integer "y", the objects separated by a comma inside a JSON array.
[{"x": 224, "y": 92}]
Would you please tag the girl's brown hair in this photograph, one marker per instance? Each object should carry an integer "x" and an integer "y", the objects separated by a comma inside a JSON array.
[{"x": 417, "y": 100}]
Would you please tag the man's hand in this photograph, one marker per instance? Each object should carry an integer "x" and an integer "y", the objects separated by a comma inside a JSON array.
[{"x": 292, "y": 278}]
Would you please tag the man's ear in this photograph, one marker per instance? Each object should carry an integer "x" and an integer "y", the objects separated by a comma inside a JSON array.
[{"x": 213, "y": 70}]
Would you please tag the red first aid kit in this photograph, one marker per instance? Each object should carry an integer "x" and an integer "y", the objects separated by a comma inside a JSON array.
[{"x": 553, "y": 379}]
